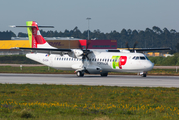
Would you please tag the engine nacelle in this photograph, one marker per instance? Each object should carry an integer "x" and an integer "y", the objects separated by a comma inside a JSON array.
[
  {"x": 94, "y": 69},
  {"x": 76, "y": 53}
]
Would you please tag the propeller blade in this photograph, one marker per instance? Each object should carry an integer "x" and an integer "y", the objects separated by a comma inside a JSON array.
[
  {"x": 79, "y": 45},
  {"x": 127, "y": 45},
  {"x": 87, "y": 45},
  {"x": 135, "y": 44}
]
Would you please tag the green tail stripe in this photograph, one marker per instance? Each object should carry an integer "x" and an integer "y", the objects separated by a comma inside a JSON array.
[{"x": 29, "y": 31}]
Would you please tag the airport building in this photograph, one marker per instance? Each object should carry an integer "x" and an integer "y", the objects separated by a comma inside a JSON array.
[
  {"x": 62, "y": 42},
  {"x": 58, "y": 42}
]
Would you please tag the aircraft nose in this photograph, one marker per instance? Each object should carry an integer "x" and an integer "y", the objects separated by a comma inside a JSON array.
[{"x": 150, "y": 66}]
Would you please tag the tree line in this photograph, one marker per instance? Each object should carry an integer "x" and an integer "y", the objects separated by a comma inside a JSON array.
[{"x": 148, "y": 38}]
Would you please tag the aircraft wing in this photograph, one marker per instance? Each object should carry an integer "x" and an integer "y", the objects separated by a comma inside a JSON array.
[
  {"x": 46, "y": 50},
  {"x": 60, "y": 51},
  {"x": 150, "y": 49},
  {"x": 137, "y": 50}
]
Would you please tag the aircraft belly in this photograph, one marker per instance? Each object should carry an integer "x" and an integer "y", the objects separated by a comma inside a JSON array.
[{"x": 97, "y": 68}]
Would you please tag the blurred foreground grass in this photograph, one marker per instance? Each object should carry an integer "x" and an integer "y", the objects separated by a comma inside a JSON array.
[{"x": 77, "y": 102}]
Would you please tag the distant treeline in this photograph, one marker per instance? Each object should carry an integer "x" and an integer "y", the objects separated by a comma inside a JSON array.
[
  {"x": 149, "y": 38},
  {"x": 6, "y": 35}
]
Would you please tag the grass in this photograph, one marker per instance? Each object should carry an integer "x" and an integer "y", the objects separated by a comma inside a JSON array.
[
  {"x": 77, "y": 102},
  {"x": 67, "y": 102},
  {"x": 48, "y": 70}
]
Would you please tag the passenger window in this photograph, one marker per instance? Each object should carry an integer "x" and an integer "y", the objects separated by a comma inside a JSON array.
[
  {"x": 67, "y": 58},
  {"x": 133, "y": 57},
  {"x": 62, "y": 58}
]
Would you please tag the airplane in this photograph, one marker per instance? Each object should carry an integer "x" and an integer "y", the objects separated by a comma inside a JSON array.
[{"x": 85, "y": 60}]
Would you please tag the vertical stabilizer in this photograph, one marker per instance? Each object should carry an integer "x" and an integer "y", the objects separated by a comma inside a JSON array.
[
  {"x": 35, "y": 38},
  {"x": 31, "y": 37}
]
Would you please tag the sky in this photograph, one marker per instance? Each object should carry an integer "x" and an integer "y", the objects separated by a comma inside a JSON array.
[{"x": 106, "y": 15}]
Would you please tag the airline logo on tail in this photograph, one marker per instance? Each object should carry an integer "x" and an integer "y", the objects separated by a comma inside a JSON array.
[
  {"x": 119, "y": 61},
  {"x": 34, "y": 35}
]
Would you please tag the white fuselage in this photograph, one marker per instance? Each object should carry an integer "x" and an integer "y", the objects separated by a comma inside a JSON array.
[{"x": 99, "y": 62}]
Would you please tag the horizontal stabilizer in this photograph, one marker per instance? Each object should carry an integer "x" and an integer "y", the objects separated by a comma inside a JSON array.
[{"x": 32, "y": 26}]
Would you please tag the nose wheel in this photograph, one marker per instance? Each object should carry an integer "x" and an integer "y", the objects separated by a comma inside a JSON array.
[
  {"x": 80, "y": 74},
  {"x": 143, "y": 74}
]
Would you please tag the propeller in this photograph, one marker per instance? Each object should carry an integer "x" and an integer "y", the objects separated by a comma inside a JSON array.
[
  {"x": 135, "y": 44},
  {"x": 127, "y": 45},
  {"x": 86, "y": 52}
]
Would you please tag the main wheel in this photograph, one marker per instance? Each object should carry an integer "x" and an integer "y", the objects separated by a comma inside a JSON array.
[
  {"x": 104, "y": 74},
  {"x": 80, "y": 74}
]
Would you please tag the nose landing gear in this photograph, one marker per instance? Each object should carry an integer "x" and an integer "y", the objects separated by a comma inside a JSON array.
[{"x": 143, "y": 74}]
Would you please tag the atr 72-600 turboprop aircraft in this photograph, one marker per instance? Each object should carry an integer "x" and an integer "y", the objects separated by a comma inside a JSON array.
[{"x": 85, "y": 60}]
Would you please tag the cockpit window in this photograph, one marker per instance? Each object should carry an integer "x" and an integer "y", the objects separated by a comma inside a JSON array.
[
  {"x": 146, "y": 57},
  {"x": 137, "y": 58},
  {"x": 142, "y": 58}
]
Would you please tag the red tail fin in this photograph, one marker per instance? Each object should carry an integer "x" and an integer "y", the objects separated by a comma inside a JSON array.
[{"x": 35, "y": 38}]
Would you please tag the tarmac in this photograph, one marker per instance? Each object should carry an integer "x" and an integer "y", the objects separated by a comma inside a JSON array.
[{"x": 91, "y": 80}]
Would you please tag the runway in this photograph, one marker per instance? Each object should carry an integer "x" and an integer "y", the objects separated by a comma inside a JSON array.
[{"x": 111, "y": 80}]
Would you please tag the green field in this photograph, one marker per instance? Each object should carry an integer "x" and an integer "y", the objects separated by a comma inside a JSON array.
[{"x": 77, "y": 102}]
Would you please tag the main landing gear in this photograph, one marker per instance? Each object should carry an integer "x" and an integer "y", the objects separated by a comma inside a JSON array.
[
  {"x": 104, "y": 74},
  {"x": 80, "y": 74}
]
